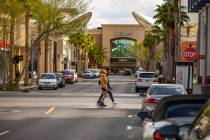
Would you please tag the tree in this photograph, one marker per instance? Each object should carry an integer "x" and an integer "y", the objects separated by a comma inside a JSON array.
[
  {"x": 13, "y": 10},
  {"x": 152, "y": 40},
  {"x": 164, "y": 17},
  {"x": 96, "y": 56},
  {"x": 142, "y": 54},
  {"x": 54, "y": 17},
  {"x": 84, "y": 42}
]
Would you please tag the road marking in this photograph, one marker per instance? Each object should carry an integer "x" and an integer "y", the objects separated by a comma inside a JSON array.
[
  {"x": 129, "y": 127},
  {"x": 130, "y": 116},
  {"x": 132, "y": 127},
  {"x": 4, "y": 132},
  {"x": 50, "y": 110}
]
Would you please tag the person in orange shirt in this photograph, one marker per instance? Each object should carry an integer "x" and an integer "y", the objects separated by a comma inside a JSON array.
[{"x": 108, "y": 91}]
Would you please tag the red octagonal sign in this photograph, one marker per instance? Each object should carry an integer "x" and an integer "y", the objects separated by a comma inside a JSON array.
[{"x": 190, "y": 54}]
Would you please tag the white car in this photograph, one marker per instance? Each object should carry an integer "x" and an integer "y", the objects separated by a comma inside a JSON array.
[
  {"x": 144, "y": 80},
  {"x": 96, "y": 72},
  {"x": 48, "y": 80},
  {"x": 88, "y": 74}
]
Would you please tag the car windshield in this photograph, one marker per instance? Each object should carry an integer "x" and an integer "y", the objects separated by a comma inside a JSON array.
[
  {"x": 147, "y": 75},
  {"x": 166, "y": 90},
  {"x": 87, "y": 72},
  {"x": 183, "y": 110},
  {"x": 47, "y": 76}
]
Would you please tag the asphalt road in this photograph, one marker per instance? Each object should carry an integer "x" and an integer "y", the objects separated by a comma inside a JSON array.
[{"x": 71, "y": 113}]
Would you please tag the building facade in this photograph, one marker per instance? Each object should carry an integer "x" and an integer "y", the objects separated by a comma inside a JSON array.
[
  {"x": 117, "y": 41},
  {"x": 202, "y": 7}
]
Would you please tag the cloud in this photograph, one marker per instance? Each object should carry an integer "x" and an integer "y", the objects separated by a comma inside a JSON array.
[{"x": 120, "y": 11}]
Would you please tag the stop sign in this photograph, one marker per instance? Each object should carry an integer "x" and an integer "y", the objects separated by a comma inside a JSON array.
[{"x": 190, "y": 54}]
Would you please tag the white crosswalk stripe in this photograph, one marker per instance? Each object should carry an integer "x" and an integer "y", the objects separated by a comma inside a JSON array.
[{"x": 73, "y": 100}]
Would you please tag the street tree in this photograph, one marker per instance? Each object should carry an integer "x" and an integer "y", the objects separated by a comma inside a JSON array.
[
  {"x": 152, "y": 40},
  {"x": 142, "y": 54},
  {"x": 53, "y": 17},
  {"x": 96, "y": 56},
  {"x": 164, "y": 17}
]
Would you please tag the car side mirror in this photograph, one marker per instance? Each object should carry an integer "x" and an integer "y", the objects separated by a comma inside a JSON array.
[{"x": 143, "y": 115}]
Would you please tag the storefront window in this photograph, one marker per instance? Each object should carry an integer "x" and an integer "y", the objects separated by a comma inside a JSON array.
[{"x": 122, "y": 47}]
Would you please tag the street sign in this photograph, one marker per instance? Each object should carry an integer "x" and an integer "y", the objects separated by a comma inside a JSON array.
[{"x": 190, "y": 54}]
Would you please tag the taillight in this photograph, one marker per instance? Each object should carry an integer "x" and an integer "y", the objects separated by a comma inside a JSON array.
[
  {"x": 158, "y": 136},
  {"x": 140, "y": 80},
  {"x": 151, "y": 101}
]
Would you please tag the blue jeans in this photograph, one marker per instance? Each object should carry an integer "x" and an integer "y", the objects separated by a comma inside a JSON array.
[{"x": 110, "y": 95}]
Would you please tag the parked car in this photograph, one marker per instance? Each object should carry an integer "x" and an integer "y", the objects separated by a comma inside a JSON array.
[
  {"x": 48, "y": 80},
  {"x": 200, "y": 129},
  {"x": 188, "y": 129},
  {"x": 75, "y": 75},
  {"x": 93, "y": 71},
  {"x": 144, "y": 80},
  {"x": 88, "y": 74},
  {"x": 159, "y": 91},
  {"x": 170, "y": 110},
  {"x": 61, "y": 79},
  {"x": 96, "y": 72},
  {"x": 69, "y": 78}
]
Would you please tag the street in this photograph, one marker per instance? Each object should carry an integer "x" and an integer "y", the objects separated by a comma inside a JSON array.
[{"x": 71, "y": 113}]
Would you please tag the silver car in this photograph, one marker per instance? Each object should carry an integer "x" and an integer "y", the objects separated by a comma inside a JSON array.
[
  {"x": 88, "y": 74},
  {"x": 157, "y": 92},
  {"x": 48, "y": 80},
  {"x": 144, "y": 79}
]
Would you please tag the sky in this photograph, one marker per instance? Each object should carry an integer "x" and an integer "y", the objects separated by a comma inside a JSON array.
[{"x": 120, "y": 11}]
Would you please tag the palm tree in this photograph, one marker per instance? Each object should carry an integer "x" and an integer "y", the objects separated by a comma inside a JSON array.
[
  {"x": 96, "y": 56},
  {"x": 151, "y": 40},
  {"x": 13, "y": 9},
  {"x": 83, "y": 41},
  {"x": 164, "y": 16}
]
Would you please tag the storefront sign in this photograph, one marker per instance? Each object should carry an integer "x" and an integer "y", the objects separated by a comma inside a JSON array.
[{"x": 121, "y": 33}]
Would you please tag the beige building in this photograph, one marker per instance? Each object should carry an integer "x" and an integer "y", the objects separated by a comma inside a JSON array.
[{"x": 117, "y": 40}]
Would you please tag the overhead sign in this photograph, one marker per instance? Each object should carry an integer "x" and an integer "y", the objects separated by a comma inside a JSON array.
[
  {"x": 122, "y": 33},
  {"x": 190, "y": 54}
]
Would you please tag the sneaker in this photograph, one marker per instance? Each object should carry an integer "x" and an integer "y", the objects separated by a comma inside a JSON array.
[
  {"x": 101, "y": 104},
  {"x": 115, "y": 102}
]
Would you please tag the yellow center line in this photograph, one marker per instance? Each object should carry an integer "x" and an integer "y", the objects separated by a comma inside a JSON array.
[{"x": 50, "y": 110}]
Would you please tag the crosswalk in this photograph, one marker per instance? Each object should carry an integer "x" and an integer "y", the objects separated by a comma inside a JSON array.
[{"x": 72, "y": 100}]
